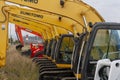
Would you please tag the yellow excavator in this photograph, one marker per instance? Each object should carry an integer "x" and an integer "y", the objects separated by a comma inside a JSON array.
[
  {"x": 60, "y": 18},
  {"x": 70, "y": 29},
  {"x": 80, "y": 15},
  {"x": 79, "y": 18}
]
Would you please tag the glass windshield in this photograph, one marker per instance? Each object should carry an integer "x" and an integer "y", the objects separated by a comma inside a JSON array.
[
  {"x": 106, "y": 45},
  {"x": 66, "y": 49}
]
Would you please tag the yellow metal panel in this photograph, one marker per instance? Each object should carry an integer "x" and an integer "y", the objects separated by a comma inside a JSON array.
[
  {"x": 3, "y": 35},
  {"x": 2, "y": 17},
  {"x": 49, "y": 58},
  {"x": 53, "y": 61},
  {"x": 63, "y": 65},
  {"x": 45, "y": 56},
  {"x": 78, "y": 76}
]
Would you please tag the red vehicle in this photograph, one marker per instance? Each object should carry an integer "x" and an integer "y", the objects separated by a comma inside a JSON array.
[{"x": 35, "y": 48}]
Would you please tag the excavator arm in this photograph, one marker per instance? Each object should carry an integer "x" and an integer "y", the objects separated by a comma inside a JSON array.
[
  {"x": 47, "y": 18},
  {"x": 78, "y": 11},
  {"x": 63, "y": 21},
  {"x": 19, "y": 35},
  {"x": 19, "y": 29},
  {"x": 35, "y": 26},
  {"x": 26, "y": 24}
]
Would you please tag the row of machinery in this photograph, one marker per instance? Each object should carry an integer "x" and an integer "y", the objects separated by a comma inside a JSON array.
[{"x": 78, "y": 43}]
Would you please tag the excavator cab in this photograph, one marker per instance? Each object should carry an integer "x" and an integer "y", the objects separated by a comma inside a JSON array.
[
  {"x": 45, "y": 46},
  {"x": 49, "y": 47},
  {"x": 54, "y": 45},
  {"x": 49, "y": 51},
  {"x": 62, "y": 43},
  {"x": 97, "y": 58},
  {"x": 102, "y": 53},
  {"x": 76, "y": 56},
  {"x": 68, "y": 74},
  {"x": 75, "y": 63},
  {"x": 79, "y": 43},
  {"x": 65, "y": 49},
  {"x": 62, "y": 57}
]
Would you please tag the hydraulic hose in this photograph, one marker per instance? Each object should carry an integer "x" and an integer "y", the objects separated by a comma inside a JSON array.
[{"x": 3, "y": 12}]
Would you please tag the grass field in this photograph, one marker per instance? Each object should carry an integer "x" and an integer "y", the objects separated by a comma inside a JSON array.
[{"x": 18, "y": 67}]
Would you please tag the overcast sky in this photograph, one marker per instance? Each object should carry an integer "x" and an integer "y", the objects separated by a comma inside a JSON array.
[{"x": 108, "y": 9}]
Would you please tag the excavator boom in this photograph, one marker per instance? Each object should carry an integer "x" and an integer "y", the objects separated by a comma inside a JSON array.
[
  {"x": 66, "y": 8},
  {"x": 18, "y": 30},
  {"x": 71, "y": 15}
]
